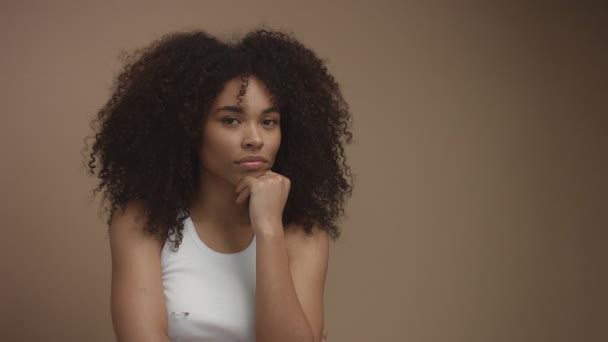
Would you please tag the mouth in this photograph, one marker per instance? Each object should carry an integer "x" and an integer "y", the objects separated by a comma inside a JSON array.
[
  {"x": 252, "y": 159},
  {"x": 252, "y": 165}
]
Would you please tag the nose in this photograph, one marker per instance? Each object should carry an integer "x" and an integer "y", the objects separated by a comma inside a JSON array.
[{"x": 252, "y": 137}]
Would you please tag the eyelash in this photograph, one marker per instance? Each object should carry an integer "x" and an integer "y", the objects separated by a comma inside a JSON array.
[{"x": 275, "y": 121}]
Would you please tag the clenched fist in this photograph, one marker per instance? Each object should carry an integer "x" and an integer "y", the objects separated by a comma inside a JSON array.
[{"x": 267, "y": 197}]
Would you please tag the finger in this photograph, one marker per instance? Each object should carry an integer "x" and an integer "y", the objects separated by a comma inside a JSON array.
[
  {"x": 244, "y": 182},
  {"x": 267, "y": 174},
  {"x": 242, "y": 196}
]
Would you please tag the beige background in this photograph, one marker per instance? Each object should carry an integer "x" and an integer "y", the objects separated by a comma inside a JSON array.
[{"x": 480, "y": 147}]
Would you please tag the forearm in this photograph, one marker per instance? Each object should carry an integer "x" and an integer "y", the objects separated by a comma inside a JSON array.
[{"x": 279, "y": 316}]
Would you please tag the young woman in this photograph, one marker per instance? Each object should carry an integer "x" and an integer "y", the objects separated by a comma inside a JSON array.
[{"x": 225, "y": 170}]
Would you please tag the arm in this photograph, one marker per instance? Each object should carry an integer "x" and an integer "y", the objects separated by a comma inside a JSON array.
[
  {"x": 308, "y": 261},
  {"x": 137, "y": 300},
  {"x": 291, "y": 271}
]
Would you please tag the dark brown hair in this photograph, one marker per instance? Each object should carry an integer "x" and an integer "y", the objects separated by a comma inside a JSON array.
[{"x": 148, "y": 134}]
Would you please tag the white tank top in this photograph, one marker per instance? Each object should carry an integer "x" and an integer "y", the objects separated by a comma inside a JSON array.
[{"x": 210, "y": 296}]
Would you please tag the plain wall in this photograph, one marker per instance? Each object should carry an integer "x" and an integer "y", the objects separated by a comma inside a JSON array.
[{"x": 480, "y": 208}]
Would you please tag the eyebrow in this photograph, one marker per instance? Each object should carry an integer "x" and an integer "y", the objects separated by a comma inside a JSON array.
[{"x": 239, "y": 109}]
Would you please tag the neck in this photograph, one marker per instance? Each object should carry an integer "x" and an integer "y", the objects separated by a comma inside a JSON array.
[{"x": 215, "y": 207}]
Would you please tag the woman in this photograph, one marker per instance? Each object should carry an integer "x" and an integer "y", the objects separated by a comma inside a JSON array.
[{"x": 224, "y": 166}]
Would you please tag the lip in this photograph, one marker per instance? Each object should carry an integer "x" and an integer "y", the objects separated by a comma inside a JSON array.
[
  {"x": 252, "y": 165},
  {"x": 252, "y": 159}
]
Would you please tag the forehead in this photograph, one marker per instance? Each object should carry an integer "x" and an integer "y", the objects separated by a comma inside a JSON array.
[{"x": 256, "y": 94}]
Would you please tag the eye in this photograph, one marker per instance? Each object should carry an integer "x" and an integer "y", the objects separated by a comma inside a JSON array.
[
  {"x": 274, "y": 122},
  {"x": 227, "y": 119}
]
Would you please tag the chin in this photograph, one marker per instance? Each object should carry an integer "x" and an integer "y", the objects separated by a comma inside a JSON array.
[{"x": 252, "y": 173}]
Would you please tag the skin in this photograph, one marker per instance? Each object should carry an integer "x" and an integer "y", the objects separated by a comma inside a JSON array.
[
  {"x": 227, "y": 137},
  {"x": 235, "y": 203}
]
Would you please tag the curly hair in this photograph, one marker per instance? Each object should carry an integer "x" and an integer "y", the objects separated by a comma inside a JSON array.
[{"x": 149, "y": 132}]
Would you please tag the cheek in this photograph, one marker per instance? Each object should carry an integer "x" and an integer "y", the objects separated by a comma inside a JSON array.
[
  {"x": 217, "y": 148},
  {"x": 213, "y": 137},
  {"x": 212, "y": 152}
]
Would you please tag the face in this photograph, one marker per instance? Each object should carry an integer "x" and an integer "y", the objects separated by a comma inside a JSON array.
[{"x": 232, "y": 132}]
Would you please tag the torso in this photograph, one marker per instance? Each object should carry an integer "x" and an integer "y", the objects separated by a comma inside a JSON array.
[{"x": 233, "y": 241}]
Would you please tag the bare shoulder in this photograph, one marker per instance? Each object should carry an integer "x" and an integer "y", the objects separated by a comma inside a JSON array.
[
  {"x": 308, "y": 264},
  {"x": 128, "y": 224},
  {"x": 131, "y": 217},
  {"x": 137, "y": 300},
  {"x": 298, "y": 242}
]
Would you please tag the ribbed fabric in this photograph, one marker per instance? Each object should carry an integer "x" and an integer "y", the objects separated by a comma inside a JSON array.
[{"x": 210, "y": 296}]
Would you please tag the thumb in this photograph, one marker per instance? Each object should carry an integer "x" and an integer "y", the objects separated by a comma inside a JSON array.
[{"x": 243, "y": 183}]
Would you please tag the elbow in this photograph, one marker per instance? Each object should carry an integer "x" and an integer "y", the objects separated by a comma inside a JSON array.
[
  {"x": 306, "y": 337},
  {"x": 157, "y": 338},
  {"x": 300, "y": 333}
]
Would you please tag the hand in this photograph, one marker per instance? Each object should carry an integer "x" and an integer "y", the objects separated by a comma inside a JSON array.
[{"x": 267, "y": 196}]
